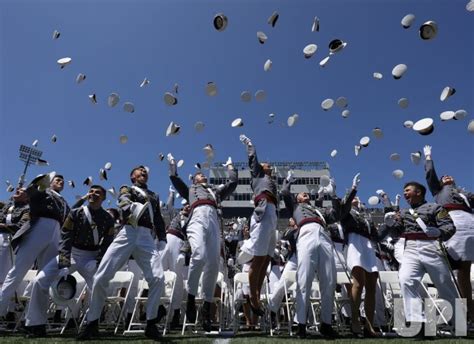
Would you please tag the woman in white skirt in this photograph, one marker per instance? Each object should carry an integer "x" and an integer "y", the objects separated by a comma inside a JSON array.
[
  {"x": 459, "y": 204},
  {"x": 361, "y": 260}
]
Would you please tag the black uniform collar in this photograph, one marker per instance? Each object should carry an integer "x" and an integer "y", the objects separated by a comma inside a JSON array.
[
  {"x": 418, "y": 204},
  {"x": 141, "y": 186}
]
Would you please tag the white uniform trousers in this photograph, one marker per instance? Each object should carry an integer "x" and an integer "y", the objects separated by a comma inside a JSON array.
[
  {"x": 315, "y": 252},
  {"x": 37, "y": 313},
  {"x": 420, "y": 257},
  {"x": 40, "y": 244},
  {"x": 274, "y": 275},
  {"x": 170, "y": 257},
  {"x": 205, "y": 240},
  {"x": 6, "y": 256},
  {"x": 278, "y": 292},
  {"x": 139, "y": 243}
]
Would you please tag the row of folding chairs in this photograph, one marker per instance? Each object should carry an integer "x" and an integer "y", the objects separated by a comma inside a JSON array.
[{"x": 389, "y": 283}]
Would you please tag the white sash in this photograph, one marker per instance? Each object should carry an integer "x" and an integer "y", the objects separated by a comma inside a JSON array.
[
  {"x": 62, "y": 200},
  {"x": 145, "y": 195},
  {"x": 93, "y": 225},
  {"x": 320, "y": 215},
  {"x": 418, "y": 220},
  {"x": 8, "y": 220},
  {"x": 213, "y": 195},
  {"x": 464, "y": 199}
]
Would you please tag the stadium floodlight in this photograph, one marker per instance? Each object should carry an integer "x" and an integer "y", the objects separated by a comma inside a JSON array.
[{"x": 29, "y": 156}]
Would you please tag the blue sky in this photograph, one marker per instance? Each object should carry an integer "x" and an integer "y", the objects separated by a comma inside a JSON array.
[{"x": 118, "y": 43}]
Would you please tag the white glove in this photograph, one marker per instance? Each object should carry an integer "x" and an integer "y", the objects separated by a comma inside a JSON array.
[
  {"x": 180, "y": 260},
  {"x": 63, "y": 272},
  {"x": 433, "y": 232},
  {"x": 245, "y": 140},
  {"x": 380, "y": 193},
  {"x": 356, "y": 181},
  {"x": 321, "y": 191},
  {"x": 91, "y": 266},
  {"x": 289, "y": 176},
  {"x": 427, "y": 151},
  {"x": 170, "y": 158},
  {"x": 171, "y": 189},
  {"x": 329, "y": 189},
  {"x": 397, "y": 199},
  {"x": 389, "y": 218},
  {"x": 228, "y": 162}
]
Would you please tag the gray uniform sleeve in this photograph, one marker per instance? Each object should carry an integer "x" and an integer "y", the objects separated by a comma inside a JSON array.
[
  {"x": 431, "y": 178},
  {"x": 346, "y": 203},
  {"x": 178, "y": 183},
  {"x": 444, "y": 222},
  {"x": 170, "y": 205},
  {"x": 288, "y": 197},
  {"x": 255, "y": 168}
]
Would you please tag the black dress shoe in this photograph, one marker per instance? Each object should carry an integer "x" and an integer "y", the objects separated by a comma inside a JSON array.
[
  {"x": 206, "y": 316},
  {"x": 301, "y": 331},
  {"x": 151, "y": 331},
  {"x": 191, "y": 309},
  {"x": 90, "y": 331},
  {"x": 176, "y": 318},
  {"x": 326, "y": 330},
  {"x": 36, "y": 331},
  {"x": 257, "y": 310},
  {"x": 161, "y": 313}
]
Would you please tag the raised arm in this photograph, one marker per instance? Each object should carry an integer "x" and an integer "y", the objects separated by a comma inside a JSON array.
[
  {"x": 431, "y": 177},
  {"x": 231, "y": 185},
  {"x": 177, "y": 182},
  {"x": 255, "y": 168},
  {"x": 288, "y": 198},
  {"x": 170, "y": 203},
  {"x": 346, "y": 204}
]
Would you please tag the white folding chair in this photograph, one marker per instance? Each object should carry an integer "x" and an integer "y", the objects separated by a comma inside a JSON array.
[
  {"x": 116, "y": 303},
  {"x": 170, "y": 282},
  {"x": 341, "y": 299},
  {"x": 315, "y": 300},
  {"x": 392, "y": 291},
  {"x": 135, "y": 326},
  {"x": 200, "y": 301},
  {"x": 141, "y": 299},
  {"x": 240, "y": 279},
  {"x": 289, "y": 284}
]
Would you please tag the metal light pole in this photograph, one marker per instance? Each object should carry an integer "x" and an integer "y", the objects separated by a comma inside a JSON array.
[{"x": 29, "y": 156}]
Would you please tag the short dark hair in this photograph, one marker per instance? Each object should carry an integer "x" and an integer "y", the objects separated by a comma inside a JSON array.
[
  {"x": 101, "y": 188},
  {"x": 417, "y": 186},
  {"x": 134, "y": 169},
  {"x": 58, "y": 176},
  {"x": 196, "y": 174}
]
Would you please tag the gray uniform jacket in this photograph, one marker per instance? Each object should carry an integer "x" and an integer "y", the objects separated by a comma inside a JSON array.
[
  {"x": 48, "y": 204},
  {"x": 432, "y": 214},
  {"x": 78, "y": 232},
  {"x": 447, "y": 194},
  {"x": 19, "y": 215},
  {"x": 302, "y": 212},
  {"x": 355, "y": 221},
  {"x": 128, "y": 195},
  {"x": 260, "y": 183},
  {"x": 200, "y": 192}
]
